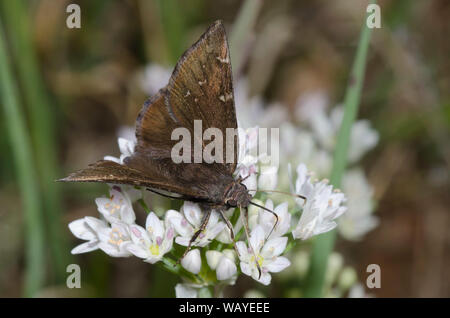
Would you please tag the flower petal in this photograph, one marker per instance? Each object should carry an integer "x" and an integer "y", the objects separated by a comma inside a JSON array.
[
  {"x": 257, "y": 238},
  {"x": 225, "y": 269},
  {"x": 274, "y": 247},
  {"x": 85, "y": 247},
  {"x": 185, "y": 291},
  {"x": 246, "y": 268},
  {"x": 95, "y": 224},
  {"x": 81, "y": 230},
  {"x": 242, "y": 249},
  {"x": 277, "y": 265},
  {"x": 192, "y": 261},
  {"x": 179, "y": 223},
  {"x": 265, "y": 279},
  {"x": 137, "y": 250},
  {"x": 193, "y": 213},
  {"x": 154, "y": 226},
  {"x": 212, "y": 258}
]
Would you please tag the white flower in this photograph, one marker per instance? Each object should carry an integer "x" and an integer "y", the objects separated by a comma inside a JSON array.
[
  {"x": 308, "y": 105},
  {"x": 295, "y": 142},
  {"x": 127, "y": 143},
  {"x": 334, "y": 266},
  {"x": 253, "y": 214},
  {"x": 248, "y": 156},
  {"x": 117, "y": 207},
  {"x": 111, "y": 239},
  {"x": 126, "y": 147},
  {"x": 267, "y": 220},
  {"x": 251, "y": 184},
  {"x": 154, "y": 77},
  {"x": 189, "y": 221},
  {"x": 223, "y": 263},
  {"x": 347, "y": 278},
  {"x": 300, "y": 146},
  {"x": 363, "y": 138},
  {"x": 358, "y": 220},
  {"x": 267, "y": 255},
  {"x": 152, "y": 242},
  {"x": 114, "y": 239},
  {"x": 248, "y": 109},
  {"x": 358, "y": 291},
  {"x": 325, "y": 128},
  {"x": 323, "y": 205},
  {"x": 268, "y": 178},
  {"x": 86, "y": 229},
  {"x": 192, "y": 261}
]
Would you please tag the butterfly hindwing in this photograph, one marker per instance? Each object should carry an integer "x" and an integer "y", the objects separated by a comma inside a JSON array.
[{"x": 111, "y": 172}]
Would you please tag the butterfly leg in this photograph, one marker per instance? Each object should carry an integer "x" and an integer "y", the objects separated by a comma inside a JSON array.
[
  {"x": 196, "y": 234},
  {"x": 273, "y": 213},
  {"x": 230, "y": 227},
  {"x": 245, "y": 221},
  {"x": 171, "y": 196}
]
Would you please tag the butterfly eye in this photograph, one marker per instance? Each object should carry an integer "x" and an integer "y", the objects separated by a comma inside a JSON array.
[{"x": 231, "y": 202}]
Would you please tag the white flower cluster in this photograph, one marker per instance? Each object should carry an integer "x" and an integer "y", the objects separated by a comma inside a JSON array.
[
  {"x": 309, "y": 144},
  {"x": 310, "y": 139},
  {"x": 117, "y": 234}
]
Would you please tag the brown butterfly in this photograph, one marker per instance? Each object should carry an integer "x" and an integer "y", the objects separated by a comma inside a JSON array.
[{"x": 200, "y": 88}]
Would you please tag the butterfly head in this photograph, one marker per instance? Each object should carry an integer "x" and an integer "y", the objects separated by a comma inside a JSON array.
[{"x": 237, "y": 195}]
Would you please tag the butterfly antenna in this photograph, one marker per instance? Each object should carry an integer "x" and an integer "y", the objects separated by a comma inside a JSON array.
[
  {"x": 248, "y": 239},
  {"x": 268, "y": 210}
]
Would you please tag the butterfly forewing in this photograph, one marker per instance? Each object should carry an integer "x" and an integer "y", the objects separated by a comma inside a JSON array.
[{"x": 200, "y": 89}]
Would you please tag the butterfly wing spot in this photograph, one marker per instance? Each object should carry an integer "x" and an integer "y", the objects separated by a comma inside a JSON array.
[
  {"x": 226, "y": 97},
  {"x": 202, "y": 83}
]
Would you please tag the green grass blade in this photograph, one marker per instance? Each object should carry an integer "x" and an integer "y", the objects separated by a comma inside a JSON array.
[
  {"x": 42, "y": 126},
  {"x": 245, "y": 21},
  {"x": 22, "y": 154},
  {"x": 323, "y": 244},
  {"x": 173, "y": 22}
]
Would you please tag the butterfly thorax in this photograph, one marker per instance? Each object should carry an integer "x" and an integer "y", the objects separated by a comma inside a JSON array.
[{"x": 236, "y": 195}]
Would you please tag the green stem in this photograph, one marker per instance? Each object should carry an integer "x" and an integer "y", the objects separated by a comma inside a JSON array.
[
  {"x": 324, "y": 244},
  {"x": 174, "y": 268},
  {"x": 144, "y": 205},
  {"x": 23, "y": 158},
  {"x": 42, "y": 128},
  {"x": 173, "y": 22}
]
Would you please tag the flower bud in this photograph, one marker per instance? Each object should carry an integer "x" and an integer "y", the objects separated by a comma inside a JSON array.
[{"x": 192, "y": 262}]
